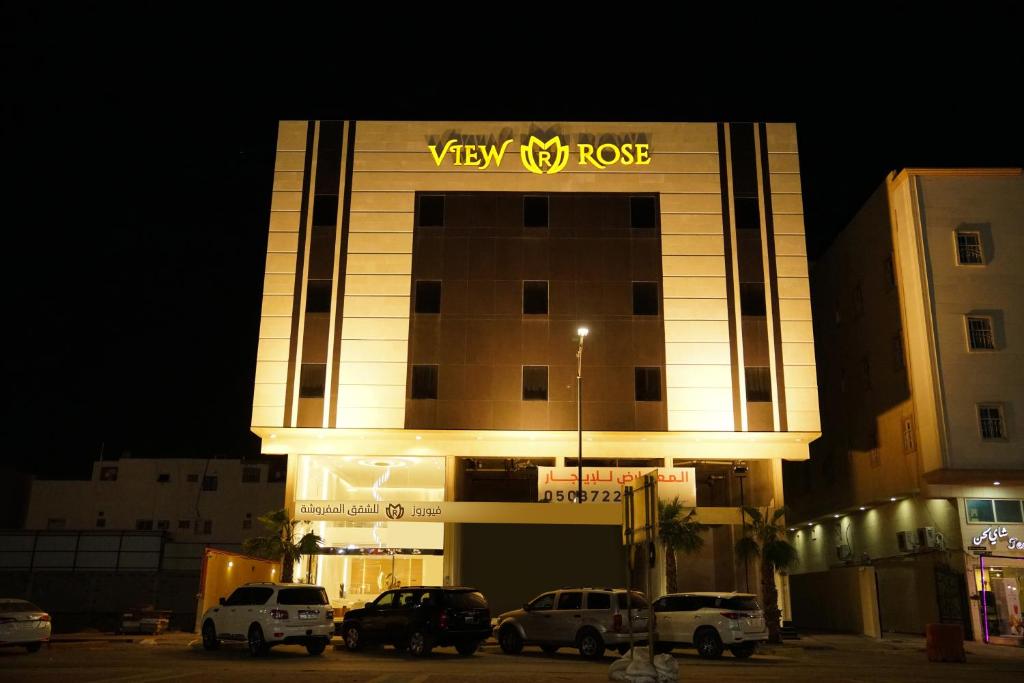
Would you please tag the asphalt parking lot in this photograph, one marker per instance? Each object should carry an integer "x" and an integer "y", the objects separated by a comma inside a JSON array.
[{"x": 174, "y": 657}]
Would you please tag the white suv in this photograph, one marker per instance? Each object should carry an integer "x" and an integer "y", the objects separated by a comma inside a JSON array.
[
  {"x": 268, "y": 614},
  {"x": 711, "y": 622}
]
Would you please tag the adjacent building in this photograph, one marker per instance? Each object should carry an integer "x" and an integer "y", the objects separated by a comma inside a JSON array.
[
  {"x": 909, "y": 511},
  {"x": 211, "y": 501},
  {"x": 418, "y": 353}
]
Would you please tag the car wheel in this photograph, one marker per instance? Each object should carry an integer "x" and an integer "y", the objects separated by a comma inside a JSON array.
[
  {"x": 742, "y": 651},
  {"x": 210, "y": 641},
  {"x": 419, "y": 644},
  {"x": 590, "y": 644},
  {"x": 257, "y": 643},
  {"x": 33, "y": 647},
  {"x": 708, "y": 644},
  {"x": 549, "y": 649},
  {"x": 467, "y": 649},
  {"x": 510, "y": 641},
  {"x": 316, "y": 647},
  {"x": 353, "y": 637}
]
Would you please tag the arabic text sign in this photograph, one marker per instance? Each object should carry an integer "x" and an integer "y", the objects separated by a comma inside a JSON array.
[
  {"x": 994, "y": 534},
  {"x": 604, "y": 484},
  {"x": 398, "y": 511}
]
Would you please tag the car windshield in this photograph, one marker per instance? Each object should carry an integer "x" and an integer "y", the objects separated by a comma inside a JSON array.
[
  {"x": 638, "y": 601},
  {"x": 18, "y": 606},
  {"x": 314, "y": 595},
  {"x": 747, "y": 603},
  {"x": 467, "y": 600}
]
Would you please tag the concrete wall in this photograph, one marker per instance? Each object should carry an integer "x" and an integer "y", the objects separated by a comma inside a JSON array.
[
  {"x": 97, "y": 599},
  {"x": 842, "y": 600}
]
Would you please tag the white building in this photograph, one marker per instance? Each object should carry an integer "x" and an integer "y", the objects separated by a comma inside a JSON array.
[{"x": 213, "y": 501}]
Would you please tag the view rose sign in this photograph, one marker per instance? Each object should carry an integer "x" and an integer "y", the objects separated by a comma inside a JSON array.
[{"x": 543, "y": 156}]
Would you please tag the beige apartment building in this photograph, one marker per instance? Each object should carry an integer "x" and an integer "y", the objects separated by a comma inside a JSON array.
[
  {"x": 215, "y": 501},
  {"x": 909, "y": 511},
  {"x": 425, "y": 287}
]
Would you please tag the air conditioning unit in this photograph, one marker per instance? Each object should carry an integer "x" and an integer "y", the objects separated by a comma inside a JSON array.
[
  {"x": 843, "y": 552},
  {"x": 926, "y": 537},
  {"x": 905, "y": 541}
]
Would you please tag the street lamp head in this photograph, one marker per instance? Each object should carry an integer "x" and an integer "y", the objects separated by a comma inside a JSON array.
[{"x": 583, "y": 331}]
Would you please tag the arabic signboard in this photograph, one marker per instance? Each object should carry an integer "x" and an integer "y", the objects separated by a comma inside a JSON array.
[
  {"x": 391, "y": 511},
  {"x": 604, "y": 484},
  {"x": 998, "y": 538}
]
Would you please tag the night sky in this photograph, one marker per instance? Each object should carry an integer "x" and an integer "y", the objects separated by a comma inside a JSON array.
[{"x": 138, "y": 152}]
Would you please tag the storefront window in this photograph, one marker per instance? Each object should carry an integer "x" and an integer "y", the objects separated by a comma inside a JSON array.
[
  {"x": 360, "y": 560},
  {"x": 1004, "y": 581}
]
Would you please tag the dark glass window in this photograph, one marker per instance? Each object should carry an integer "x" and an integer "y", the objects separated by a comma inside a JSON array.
[
  {"x": 546, "y": 601},
  {"x": 101, "y": 522},
  {"x": 163, "y": 525},
  {"x": 745, "y": 603},
  {"x": 192, "y": 478},
  {"x": 184, "y": 524},
  {"x": 968, "y": 248},
  {"x": 163, "y": 478},
  {"x": 535, "y": 382},
  {"x": 648, "y": 384},
  {"x": 979, "y": 334},
  {"x": 535, "y": 297},
  {"x": 428, "y": 296},
  {"x": 1008, "y": 511},
  {"x": 250, "y": 475},
  {"x": 979, "y": 511},
  {"x": 465, "y": 600},
  {"x": 752, "y": 298},
  {"x": 535, "y": 212},
  {"x": 318, "y": 296},
  {"x": 210, "y": 482},
  {"x": 207, "y": 527},
  {"x": 991, "y": 419},
  {"x": 759, "y": 384},
  {"x": 424, "y": 381},
  {"x": 643, "y": 212},
  {"x": 645, "y": 298},
  {"x": 637, "y": 600},
  {"x": 748, "y": 214},
  {"x": 431, "y": 211},
  {"x": 143, "y": 525},
  {"x": 599, "y": 601},
  {"x": 312, "y": 380},
  {"x": 313, "y": 595},
  {"x": 572, "y": 600},
  {"x": 325, "y": 210}
]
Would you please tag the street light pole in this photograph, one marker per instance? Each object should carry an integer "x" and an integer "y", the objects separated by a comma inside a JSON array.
[{"x": 582, "y": 332}]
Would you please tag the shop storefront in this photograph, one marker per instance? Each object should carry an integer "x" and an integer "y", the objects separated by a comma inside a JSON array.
[{"x": 994, "y": 532}]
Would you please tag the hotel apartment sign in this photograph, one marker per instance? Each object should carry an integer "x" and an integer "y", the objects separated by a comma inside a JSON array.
[{"x": 542, "y": 153}]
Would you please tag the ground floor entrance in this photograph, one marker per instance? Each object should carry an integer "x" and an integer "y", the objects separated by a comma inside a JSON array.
[{"x": 999, "y": 582}]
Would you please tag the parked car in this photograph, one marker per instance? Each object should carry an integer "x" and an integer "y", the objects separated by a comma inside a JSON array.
[
  {"x": 589, "y": 619},
  {"x": 145, "y": 620},
  {"x": 24, "y": 624},
  {"x": 420, "y": 618},
  {"x": 268, "y": 614},
  {"x": 711, "y": 622}
]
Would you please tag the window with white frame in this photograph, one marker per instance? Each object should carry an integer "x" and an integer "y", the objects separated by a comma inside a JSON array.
[
  {"x": 979, "y": 333},
  {"x": 991, "y": 422},
  {"x": 968, "y": 248}
]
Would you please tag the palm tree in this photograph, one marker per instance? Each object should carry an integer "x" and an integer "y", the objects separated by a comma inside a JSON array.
[
  {"x": 764, "y": 538},
  {"x": 677, "y": 532},
  {"x": 280, "y": 544}
]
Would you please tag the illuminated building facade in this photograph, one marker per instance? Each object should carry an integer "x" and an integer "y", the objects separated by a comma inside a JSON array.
[
  {"x": 417, "y": 353},
  {"x": 920, "y": 471}
]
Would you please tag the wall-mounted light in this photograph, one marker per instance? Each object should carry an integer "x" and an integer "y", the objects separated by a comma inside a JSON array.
[
  {"x": 996, "y": 483},
  {"x": 231, "y": 564},
  {"x": 862, "y": 508},
  {"x": 893, "y": 499},
  {"x": 835, "y": 516}
]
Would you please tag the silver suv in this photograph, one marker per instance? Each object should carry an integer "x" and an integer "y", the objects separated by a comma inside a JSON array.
[{"x": 590, "y": 619}]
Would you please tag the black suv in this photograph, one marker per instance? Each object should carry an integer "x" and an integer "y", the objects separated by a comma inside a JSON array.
[{"x": 420, "y": 618}]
